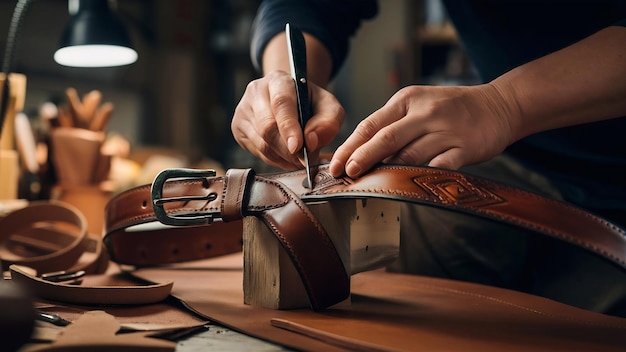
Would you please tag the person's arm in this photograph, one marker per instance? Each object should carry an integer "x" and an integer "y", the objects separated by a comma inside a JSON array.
[
  {"x": 266, "y": 121},
  {"x": 582, "y": 83},
  {"x": 451, "y": 127},
  {"x": 320, "y": 65}
]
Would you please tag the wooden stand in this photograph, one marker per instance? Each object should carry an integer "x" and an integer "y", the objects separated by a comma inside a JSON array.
[
  {"x": 366, "y": 234},
  {"x": 9, "y": 164}
]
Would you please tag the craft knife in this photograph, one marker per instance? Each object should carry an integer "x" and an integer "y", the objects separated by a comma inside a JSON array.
[{"x": 297, "y": 63}]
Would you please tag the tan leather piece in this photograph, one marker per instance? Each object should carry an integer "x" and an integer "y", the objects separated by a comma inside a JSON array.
[
  {"x": 96, "y": 330},
  {"x": 402, "y": 312},
  {"x": 280, "y": 200},
  {"x": 90, "y": 294}
]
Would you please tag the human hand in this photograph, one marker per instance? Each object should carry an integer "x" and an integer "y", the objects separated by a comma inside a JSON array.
[
  {"x": 265, "y": 122},
  {"x": 447, "y": 127}
]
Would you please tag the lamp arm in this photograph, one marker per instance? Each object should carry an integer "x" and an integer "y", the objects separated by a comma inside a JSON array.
[
  {"x": 14, "y": 28},
  {"x": 9, "y": 53}
]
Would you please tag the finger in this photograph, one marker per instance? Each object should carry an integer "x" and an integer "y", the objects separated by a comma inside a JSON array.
[
  {"x": 283, "y": 102},
  {"x": 421, "y": 149},
  {"x": 328, "y": 116},
  {"x": 263, "y": 147},
  {"x": 374, "y": 139},
  {"x": 434, "y": 149},
  {"x": 268, "y": 139},
  {"x": 269, "y": 156},
  {"x": 452, "y": 159}
]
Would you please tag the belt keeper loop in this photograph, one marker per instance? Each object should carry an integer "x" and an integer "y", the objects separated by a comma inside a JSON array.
[{"x": 235, "y": 195}]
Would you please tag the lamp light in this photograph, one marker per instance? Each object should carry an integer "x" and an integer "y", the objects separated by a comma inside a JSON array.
[{"x": 95, "y": 37}]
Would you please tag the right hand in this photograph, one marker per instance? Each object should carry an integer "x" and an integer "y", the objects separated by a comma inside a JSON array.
[{"x": 265, "y": 122}]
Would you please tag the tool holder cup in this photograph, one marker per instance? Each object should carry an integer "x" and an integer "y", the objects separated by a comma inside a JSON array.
[{"x": 82, "y": 171}]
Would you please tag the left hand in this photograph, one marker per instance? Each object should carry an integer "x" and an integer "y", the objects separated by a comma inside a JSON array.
[{"x": 447, "y": 127}]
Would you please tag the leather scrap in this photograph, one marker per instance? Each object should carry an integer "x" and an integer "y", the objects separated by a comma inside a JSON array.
[
  {"x": 97, "y": 330},
  {"x": 397, "y": 311}
]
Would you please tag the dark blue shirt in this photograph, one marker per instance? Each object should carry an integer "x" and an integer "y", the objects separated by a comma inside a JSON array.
[{"x": 587, "y": 162}]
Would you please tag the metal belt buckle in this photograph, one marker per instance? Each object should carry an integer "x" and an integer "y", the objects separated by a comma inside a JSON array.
[{"x": 158, "y": 201}]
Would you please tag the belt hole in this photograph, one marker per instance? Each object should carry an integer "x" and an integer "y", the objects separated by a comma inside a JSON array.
[
  {"x": 208, "y": 247},
  {"x": 175, "y": 251},
  {"x": 144, "y": 204}
]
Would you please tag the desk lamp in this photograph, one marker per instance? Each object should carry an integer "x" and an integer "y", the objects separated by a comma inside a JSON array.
[{"x": 95, "y": 37}]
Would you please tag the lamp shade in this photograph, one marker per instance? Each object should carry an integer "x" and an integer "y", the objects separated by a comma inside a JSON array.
[{"x": 95, "y": 37}]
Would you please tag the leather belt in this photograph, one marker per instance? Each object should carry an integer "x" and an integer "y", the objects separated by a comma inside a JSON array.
[
  {"x": 47, "y": 248},
  {"x": 49, "y": 237},
  {"x": 208, "y": 204}
]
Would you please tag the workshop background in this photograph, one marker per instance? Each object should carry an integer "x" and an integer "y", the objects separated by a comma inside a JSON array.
[{"x": 194, "y": 65}]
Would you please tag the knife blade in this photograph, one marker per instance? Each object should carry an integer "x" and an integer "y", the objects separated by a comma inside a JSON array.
[{"x": 297, "y": 63}]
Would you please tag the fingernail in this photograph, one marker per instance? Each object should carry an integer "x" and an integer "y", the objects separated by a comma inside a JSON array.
[
  {"x": 292, "y": 145},
  {"x": 353, "y": 168},
  {"x": 312, "y": 140},
  {"x": 335, "y": 168}
]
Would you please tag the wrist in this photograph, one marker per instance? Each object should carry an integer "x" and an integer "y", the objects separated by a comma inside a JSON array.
[{"x": 502, "y": 101}]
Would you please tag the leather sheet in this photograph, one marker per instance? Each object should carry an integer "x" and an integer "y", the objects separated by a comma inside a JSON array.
[{"x": 399, "y": 312}]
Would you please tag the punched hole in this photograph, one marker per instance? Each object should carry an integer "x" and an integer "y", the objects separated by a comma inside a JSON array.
[
  {"x": 144, "y": 204},
  {"x": 175, "y": 251},
  {"x": 367, "y": 248},
  {"x": 208, "y": 247}
]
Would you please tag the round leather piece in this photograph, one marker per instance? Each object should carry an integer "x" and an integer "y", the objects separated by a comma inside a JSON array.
[{"x": 46, "y": 236}]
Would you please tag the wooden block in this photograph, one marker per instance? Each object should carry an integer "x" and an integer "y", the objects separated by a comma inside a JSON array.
[
  {"x": 366, "y": 234},
  {"x": 270, "y": 279}
]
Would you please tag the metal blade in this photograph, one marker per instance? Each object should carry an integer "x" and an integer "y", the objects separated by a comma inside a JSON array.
[{"x": 297, "y": 63}]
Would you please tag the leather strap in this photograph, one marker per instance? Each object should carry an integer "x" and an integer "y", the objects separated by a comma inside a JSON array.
[
  {"x": 48, "y": 237},
  {"x": 89, "y": 294},
  {"x": 280, "y": 200},
  {"x": 51, "y": 236}
]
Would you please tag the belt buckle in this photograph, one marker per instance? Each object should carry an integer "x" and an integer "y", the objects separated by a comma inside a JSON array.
[{"x": 158, "y": 201}]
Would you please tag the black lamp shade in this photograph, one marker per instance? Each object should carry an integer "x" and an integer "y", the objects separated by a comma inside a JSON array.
[{"x": 95, "y": 37}]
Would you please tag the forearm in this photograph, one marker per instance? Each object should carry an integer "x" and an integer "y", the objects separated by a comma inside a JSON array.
[
  {"x": 319, "y": 62},
  {"x": 582, "y": 83}
]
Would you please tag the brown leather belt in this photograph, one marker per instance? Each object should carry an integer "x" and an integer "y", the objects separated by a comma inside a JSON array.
[
  {"x": 48, "y": 250},
  {"x": 212, "y": 207},
  {"x": 48, "y": 237}
]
